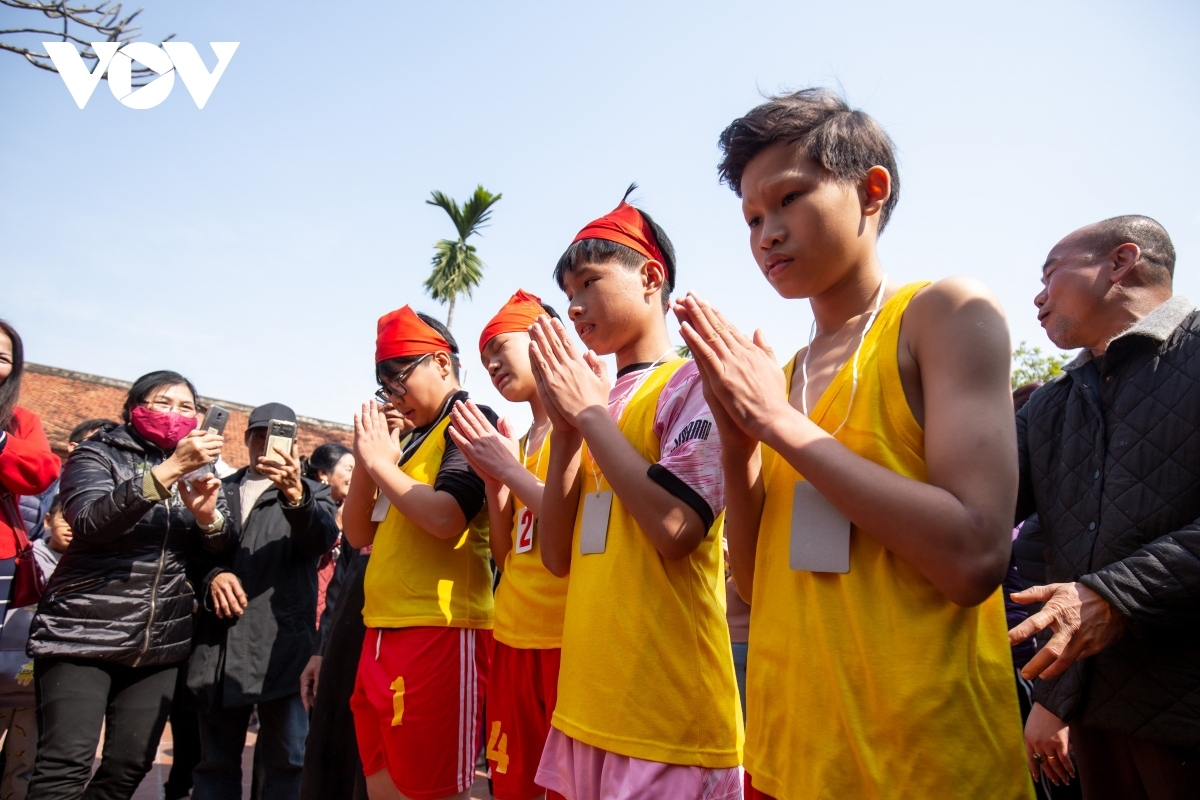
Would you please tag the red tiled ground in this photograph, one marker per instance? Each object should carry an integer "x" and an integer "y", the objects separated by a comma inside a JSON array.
[{"x": 152, "y": 786}]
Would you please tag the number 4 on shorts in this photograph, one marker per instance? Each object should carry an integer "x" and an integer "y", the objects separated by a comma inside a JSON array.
[{"x": 497, "y": 749}]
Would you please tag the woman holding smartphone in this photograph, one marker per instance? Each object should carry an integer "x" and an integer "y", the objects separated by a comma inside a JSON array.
[{"x": 115, "y": 622}]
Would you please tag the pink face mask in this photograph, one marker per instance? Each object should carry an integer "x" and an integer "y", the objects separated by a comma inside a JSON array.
[{"x": 164, "y": 429}]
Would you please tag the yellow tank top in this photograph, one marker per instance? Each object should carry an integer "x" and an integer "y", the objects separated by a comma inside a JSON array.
[
  {"x": 530, "y": 601},
  {"x": 647, "y": 668},
  {"x": 873, "y": 684},
  {"x": 414, "y": 578}
]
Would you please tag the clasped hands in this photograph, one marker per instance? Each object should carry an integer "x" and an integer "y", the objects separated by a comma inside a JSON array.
[
  {"x": 743, "y": 384},
  {"x": 492, "y": 451},
  {"x": 571, "y": 384}
]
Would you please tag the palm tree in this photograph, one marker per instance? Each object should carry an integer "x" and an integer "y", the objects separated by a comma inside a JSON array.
[{"x": 456, "y": 266}]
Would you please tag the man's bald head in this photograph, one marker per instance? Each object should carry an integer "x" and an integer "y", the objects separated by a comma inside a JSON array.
[
  {"x": 1102, "y": 278},
  {"x": 1157, "y": 257}
]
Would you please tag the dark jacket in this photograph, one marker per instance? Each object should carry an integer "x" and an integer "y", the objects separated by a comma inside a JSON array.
[
  {"x": 260, "y": 655},
  {"x": 120, "y": 593},
  {"x": 1029, "y": 551},
  {"x": 34, "y": 509},
  {"x": 1110, "y": 461},
  {"x": 332, "y": 769}
]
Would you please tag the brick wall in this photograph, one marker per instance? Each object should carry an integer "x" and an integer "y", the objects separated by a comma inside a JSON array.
[{"x": 63, "y": 399}]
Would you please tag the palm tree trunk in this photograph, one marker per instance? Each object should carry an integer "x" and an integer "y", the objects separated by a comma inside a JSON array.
[{"x": 450, "y": 314}]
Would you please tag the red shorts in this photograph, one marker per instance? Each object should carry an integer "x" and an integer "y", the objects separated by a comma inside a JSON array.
[
  {"x": 416, "y": 706},
  {"x": 750, "y": 793},
  {"x": 522, "y": 692}
]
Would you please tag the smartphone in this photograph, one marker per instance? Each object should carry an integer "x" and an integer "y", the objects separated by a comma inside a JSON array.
[
  {"x": 214, "y": 420},
  {"x": 280, "y": 435}
]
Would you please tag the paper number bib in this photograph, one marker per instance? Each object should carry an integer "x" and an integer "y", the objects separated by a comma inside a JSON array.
[{"x": 525, "y": 531}]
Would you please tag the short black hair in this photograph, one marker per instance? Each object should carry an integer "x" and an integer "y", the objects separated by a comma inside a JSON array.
[
  {"x": 146, "y": 385},
  {"x": 85, "y": 429},
  {"x": 10, "y": 390},
  {"x": 550, "y": 312},
  {"x": 55, "y": 505},
  {"x": 598, "y": 251},
  {"x": 324, "y": 459},
  {"x": 389, "y": 368},
  {"x": 1022, "y": 394},
  {"x": 1151, "y": 238},
  {"x": 845, "y": 141}
]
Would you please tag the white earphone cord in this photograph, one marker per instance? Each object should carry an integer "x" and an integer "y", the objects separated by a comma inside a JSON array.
[{"x": 854, "y": 360}]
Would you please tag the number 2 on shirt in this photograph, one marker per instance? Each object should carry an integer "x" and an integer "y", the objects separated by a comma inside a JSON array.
[{"x": 525, "y": 531}]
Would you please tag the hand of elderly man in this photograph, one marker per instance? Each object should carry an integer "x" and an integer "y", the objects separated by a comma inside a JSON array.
[
  {"x": 285, "y": 475},
  {"x": 1083, "y": 623}
]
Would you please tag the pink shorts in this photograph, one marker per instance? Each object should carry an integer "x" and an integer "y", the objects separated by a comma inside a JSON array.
[{"x": 579, "y": 771}]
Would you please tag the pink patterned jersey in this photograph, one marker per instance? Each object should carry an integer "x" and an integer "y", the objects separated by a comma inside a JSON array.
[{"x": 691, "y": 448}]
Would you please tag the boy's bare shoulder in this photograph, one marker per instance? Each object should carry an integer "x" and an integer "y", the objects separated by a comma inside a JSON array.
[
  {"x": 959, "y": 318},
  {"x": 952, "y": 304}
]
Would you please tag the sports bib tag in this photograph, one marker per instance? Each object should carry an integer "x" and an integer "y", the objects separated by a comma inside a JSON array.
[
  {"x": 525, "y": 531},
  {"x": 820, "y": 533},
  {"x": 380, "y": 509},
  {"x": 593, "y": 530}
]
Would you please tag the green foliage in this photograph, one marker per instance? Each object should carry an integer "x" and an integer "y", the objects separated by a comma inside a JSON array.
[
  {"x": 457, "y": 268},
  {"x": 1031, "y": 365},
  {"x": 683, "y": 351}
]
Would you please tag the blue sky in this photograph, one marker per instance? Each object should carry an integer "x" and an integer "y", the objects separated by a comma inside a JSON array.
[{"x": 253, "y": 244}]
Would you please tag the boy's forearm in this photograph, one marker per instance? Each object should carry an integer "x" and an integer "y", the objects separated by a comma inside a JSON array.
[
  {"x": 673, "y": 527},
  {"x": 560, "y": 501},
  {"x": 437, "y": 513},
  {"x": 500, "y": 516},
  {"x": 356, "y": 510},
  {"x": 744, "y": 497},
  {"x": 947, "y": 541},
  {"x": 528, "y": 489}
]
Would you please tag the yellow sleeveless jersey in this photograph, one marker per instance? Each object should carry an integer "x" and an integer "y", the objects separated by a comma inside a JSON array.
[
  {"x": 530, "y": 601},
  {"x": 416, "y": 579},
  {"x": 647, "y": 668},
  {"x": 873, "y": 684}
]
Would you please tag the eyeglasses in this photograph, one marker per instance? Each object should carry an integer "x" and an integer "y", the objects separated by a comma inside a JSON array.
[
  {"x": 164, "y": 407},
  {"x": 395, "y": 386}
]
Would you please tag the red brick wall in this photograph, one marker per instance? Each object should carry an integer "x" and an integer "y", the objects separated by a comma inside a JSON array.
[{"x": 64, "y": 399}]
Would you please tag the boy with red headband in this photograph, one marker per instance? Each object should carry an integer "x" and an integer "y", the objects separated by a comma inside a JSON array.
[
  {"x": 871, "y": 530},
  {"x": 648, "y": 706},
  {"x": 530, "y": 601},
  {"x": 428, "y": 610}
]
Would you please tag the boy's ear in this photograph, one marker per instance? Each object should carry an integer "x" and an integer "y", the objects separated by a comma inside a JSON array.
[
  {"x": 654, "y": 278},
  {"x": 874, "y": 190},
  {"x": 443, "y": 361}
]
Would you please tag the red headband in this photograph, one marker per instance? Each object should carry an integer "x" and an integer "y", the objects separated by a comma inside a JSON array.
[
  {"x": 402, "y": 333},
  {"x": 521, "y": 311},
  {"x": 624, "y": 225}
]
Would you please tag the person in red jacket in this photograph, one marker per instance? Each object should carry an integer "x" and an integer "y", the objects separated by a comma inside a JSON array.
[{"x": 27, "y": 466}]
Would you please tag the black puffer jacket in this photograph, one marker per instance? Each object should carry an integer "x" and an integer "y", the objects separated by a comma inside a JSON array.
[
  {"x": 120, "y": 594},
  {"x": 1110, "y": 461},
  {"x": 259, "y": 656}
]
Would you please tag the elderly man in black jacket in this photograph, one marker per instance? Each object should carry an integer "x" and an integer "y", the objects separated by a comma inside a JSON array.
[
  {"x": 258, "y": 624},
  {"x": 1110, "y": 462}
]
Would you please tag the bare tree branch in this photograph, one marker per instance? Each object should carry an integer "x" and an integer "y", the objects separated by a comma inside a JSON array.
[{"x": 99, "y": 22}]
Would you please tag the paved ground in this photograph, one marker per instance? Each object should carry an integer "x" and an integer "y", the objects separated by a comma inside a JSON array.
[{"x": 152, "y": 786}]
